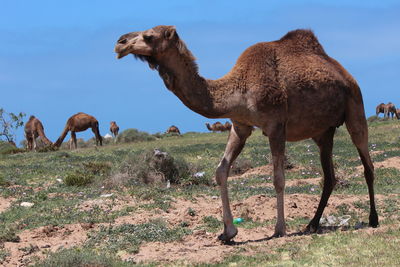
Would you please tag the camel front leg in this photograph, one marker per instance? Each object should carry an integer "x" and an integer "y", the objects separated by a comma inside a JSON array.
[
  {"x": 236, "y": 141},
  {"x": 277, "y": 139}
]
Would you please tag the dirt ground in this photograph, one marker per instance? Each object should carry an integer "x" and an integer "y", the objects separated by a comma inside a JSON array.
[{"x": 201, "y": 246}]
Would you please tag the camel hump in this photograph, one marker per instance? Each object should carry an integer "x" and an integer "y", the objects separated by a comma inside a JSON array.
[
  {"x": 31, "y": 117},
  {"x": 303, "y": 40}
]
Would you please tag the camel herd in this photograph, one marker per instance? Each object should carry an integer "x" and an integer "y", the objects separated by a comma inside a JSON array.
[
  {"x": 388, "y": 110},
  {"x": 76, "y": 123},
  {"x": 80, "y": 122}
]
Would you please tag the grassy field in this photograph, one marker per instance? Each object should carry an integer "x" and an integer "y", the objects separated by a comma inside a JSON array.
[{"x": 112, "y": 205}]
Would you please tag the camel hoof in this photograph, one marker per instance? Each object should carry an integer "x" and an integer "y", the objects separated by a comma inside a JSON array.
[
  {"x": 311, "y": 229},
  {"x": 226, "y": 238},
  {"x": 373, "y": 220}
]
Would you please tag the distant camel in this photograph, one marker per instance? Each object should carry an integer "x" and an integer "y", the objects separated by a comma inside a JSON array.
[
  {"x": 173, "y": 129},
  {"x": 33, "y": 129},
  {"x": 391, "y": 110},
  {"x": 278, "y": 86},
  {"x": 78, "y": 123},
  {"x": 114, "y": 129},
  {"x": 398, "y": 113},
  {"x": 380, "y": 109},
  {"x": 219, "y": 127}
]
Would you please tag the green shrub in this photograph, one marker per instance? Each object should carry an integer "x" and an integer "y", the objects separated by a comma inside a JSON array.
[
  {"x": 154, "y": 166},
  {"x": 134, "y": 135},
  {"x": 7, "y": 148},
  {"x": 78, "y": 178}
]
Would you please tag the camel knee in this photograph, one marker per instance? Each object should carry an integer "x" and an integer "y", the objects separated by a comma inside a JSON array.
[
  {"x": 279, "y": 184},
  {"x": 222, "y": 172}
]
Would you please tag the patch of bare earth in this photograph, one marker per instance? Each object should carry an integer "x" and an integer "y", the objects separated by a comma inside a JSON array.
[
  {"x": 5, "y": 203},
  {"x": 393, "y": 162},
  {"x": 39, "y": 241}
]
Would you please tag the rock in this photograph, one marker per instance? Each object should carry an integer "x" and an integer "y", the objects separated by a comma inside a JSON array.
[
  {"x": 27, "y": 204},
  {"x": 107, "y": 195}
]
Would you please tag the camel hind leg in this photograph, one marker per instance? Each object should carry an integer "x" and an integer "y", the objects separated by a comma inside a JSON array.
[
  {"x": 358, "y": 129},
  {"x": 99, "y": 139}
]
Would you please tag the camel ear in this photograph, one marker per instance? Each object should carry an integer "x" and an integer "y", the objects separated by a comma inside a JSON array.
[{"x": 170, "y": 33}]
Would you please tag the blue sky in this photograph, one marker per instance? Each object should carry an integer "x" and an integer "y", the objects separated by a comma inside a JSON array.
[{"x": 57, "y": 59}]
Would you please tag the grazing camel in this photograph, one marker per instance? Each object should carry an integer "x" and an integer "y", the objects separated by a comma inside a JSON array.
[
  {"x": 114, "y": 129},
  {"x": 173, "y": 129},
  {"x": 380, "y": 109},
  {"x": 219, "y": 127},
  {"x": 33, "y": 129},
  {"x": 277, "y": 86},
  {"x": 390, "y": 110},
  {"x": 78, "y": 123}
]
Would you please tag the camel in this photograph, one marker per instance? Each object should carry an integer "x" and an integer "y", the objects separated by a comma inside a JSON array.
[
  {"x": 34, "y": 129},
  {"x": 380, "y": 109},
  {"x": 79, "y": 123},
  {"x": 390, "y": 110},
  {"x": 114, "y": 129},
  {"x": 277, "y": 86},
  {"x": 398, "y": 113},
  {"x": 173, "y": 129},
  {"x": 219, "y": 127}
]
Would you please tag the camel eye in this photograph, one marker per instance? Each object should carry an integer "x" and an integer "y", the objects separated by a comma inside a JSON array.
[{"x": 148, "y": 38}]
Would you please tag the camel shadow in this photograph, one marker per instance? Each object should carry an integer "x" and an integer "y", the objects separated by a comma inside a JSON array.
[{"x": 322, "y": 230}]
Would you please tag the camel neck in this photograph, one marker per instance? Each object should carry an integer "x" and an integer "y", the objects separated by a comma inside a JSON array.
[{"x": 201, "y": 95}]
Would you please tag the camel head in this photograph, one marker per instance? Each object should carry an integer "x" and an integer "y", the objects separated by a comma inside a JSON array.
[{"x": 151, "y": 45}]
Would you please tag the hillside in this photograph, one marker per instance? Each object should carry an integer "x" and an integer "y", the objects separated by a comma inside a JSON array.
[{"x": 93, "y": 207}]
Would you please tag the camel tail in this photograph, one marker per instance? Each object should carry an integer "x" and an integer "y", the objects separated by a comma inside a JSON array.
[
  {"x": 62, "y": 136},
  {"x": 44, "y": 138}
]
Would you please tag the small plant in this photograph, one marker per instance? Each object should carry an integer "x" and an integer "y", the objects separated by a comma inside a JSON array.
[
  {"x": 8, "y": 235},
  {"x": 78, "y": 178},
  {"x": 191, "y": 212},
  {"x": 211, "y": 223}
]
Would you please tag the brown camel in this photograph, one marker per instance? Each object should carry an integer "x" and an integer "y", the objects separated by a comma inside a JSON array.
[
  {"x": 33, "y": 129},
  {"x": 398, "y": 113},
  {"x": 114, "y": 129},
  {"x": 173, "y": 129},
  {"x": 380, "y": 109},
  {"x": 390, "y": 110},
  {"x": 277, "y": 86},
  {"x": 79, "y": 123},
  {"x": 219, "y": 127}
]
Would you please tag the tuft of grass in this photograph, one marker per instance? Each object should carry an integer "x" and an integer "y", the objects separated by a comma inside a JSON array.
[
  {"x": 128, "y": 237},
  {"x": 78, "y": 178},
  {"x": 80, "y": 258}
]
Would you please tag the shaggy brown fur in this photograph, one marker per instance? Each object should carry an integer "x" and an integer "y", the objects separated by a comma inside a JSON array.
[
  {"x": 114, "y": 129},
  {"x": 219, "y": 127},
  {"x": 173, "y": 129},
  {"x": 79, "y": 123},
  {"x": 277, "y": 86},
  {"x": 33, "y": 129}
]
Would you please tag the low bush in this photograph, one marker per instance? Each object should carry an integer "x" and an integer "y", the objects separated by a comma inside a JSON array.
[
  {"x": 78, "y": 178},
  {"x": 134, "y": 135}
]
